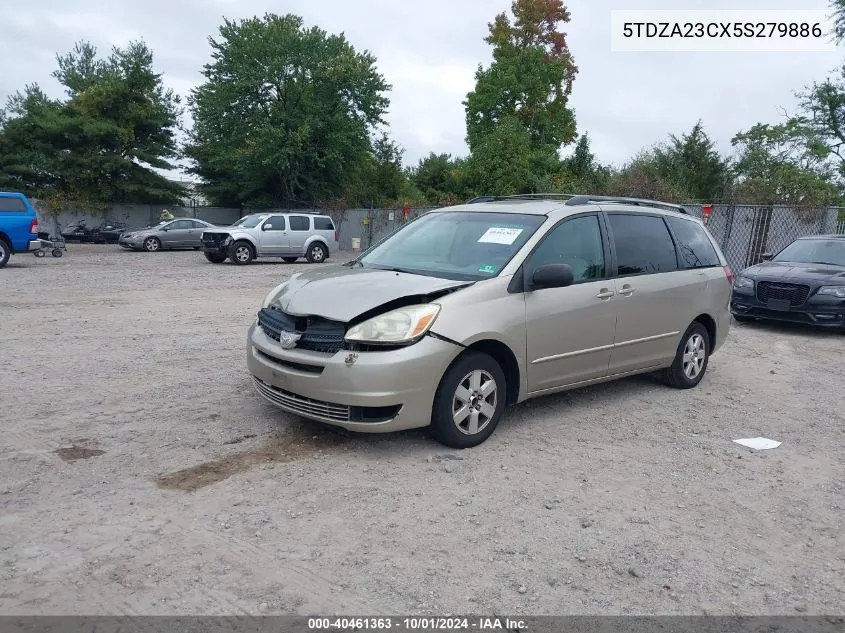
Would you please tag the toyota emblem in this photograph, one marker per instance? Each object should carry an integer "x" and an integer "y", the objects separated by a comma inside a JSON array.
[{"x": 288, "y": 340}]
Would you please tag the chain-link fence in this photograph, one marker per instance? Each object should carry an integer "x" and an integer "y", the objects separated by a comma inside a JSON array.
[{"x": 746, "y": 232}]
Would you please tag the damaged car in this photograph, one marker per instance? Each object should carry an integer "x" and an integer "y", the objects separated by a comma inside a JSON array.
[{"x": 471, "y": 308}]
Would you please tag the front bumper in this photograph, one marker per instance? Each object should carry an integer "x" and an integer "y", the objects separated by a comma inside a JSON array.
[
  {"x": 377, "y": 393},
  {"x": 34, "y": 245},
  {"x": 130, "y": 242},
  {"x": 820, "y": 310}
]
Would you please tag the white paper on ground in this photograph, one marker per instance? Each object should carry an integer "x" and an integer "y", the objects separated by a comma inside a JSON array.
[
  {"x": 500, "y": 235},
  {"x": 758, "y": 443}
]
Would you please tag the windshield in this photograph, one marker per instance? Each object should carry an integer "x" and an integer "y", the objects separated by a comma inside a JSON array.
[
  {"x": 250, "y": 221},
  {"x": 816, "y": 251},
  {"x": 455, "y": 244}
]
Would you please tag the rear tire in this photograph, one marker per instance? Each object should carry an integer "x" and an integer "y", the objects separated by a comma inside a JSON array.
[
  {"x": 152, "y": 244},
  {"x": 470, "y": 401},
  {"x": 214, "y": 258},
  {"x": 39, "y": 253},
  {"x": 317, "y": 253},
  {"x": 241, "y": 253},
  {"x": 290, "y": 260},
  {"x": 5, "y": 252},
  {"x": 691, "y": 359}
]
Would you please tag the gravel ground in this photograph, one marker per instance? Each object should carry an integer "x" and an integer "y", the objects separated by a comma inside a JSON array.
[{"x": 140, "y": 473}]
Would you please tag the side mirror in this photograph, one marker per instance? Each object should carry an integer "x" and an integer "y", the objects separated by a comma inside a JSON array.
[
  {"x": 266, "y": 227},
  {"x": 766, "y": 257},
  {"x": 553, "y": 276}
]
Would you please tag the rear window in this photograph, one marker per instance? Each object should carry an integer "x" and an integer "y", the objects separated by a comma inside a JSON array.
[
  {"x": 323, "y": 224},
  {"x": 695, "y": 250},
  {"x": 12, "y": 204},
  {"x": 299, "y": 223}
]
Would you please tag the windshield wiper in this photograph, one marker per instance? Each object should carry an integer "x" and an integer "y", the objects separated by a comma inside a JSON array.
[{"x": 826, "y": 263}]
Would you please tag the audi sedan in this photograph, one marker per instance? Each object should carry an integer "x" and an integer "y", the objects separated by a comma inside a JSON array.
[{"x": 803, "y": 283}]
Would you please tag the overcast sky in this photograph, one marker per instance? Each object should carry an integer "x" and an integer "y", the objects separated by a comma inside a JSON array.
[{"x": 429, "y": 51}]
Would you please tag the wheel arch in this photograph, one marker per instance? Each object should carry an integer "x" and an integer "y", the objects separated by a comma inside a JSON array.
[{"x": 506, "y": 359}]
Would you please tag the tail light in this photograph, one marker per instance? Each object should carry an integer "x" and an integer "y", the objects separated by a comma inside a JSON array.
[
  {"x": 33, "y": 228},
  {"x": 729, "y": 275},
  {"x": 336, "y": 236}
]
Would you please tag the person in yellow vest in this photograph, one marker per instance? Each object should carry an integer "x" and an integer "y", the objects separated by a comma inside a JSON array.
[{"x": 166, "y": 215}]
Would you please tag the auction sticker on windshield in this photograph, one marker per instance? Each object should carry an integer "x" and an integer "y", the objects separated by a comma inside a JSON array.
[
  {"x": 487, "y": 268},
  {"x": 500, "y": 235}
]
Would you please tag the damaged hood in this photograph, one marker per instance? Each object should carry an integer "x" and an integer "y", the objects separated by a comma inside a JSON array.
[{"x": 341, "y": 293}]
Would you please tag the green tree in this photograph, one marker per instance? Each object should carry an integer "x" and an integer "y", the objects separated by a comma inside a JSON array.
[
  {"x": 693, "y": 165},
  {"x": 104, "y": 142},
  {"x": 582, "y": 171},
  {"x": 440, "y": 178},
  {"x": 641, "y": 178},
  {"x": 521, "y": 98},
  {"x": 777, "y": 165},
  {"x": 285, "y": 114}
]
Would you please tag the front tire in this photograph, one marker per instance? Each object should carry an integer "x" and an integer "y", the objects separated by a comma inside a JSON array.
[
  {"x": 215, "y": 258},
  {"x": 317, "y": 253},
  {"x": 57, "y": 252},
  {"x": 241, "y": 253},
  {"x": 152, "y": 244},
  {"x": 470, "y": 401},
  {"x": 691, "y": 359}
]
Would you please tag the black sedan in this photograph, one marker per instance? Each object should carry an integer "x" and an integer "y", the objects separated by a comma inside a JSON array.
[{"x": 803, "y": 283}]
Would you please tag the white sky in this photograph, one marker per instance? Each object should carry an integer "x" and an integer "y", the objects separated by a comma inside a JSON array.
[{"x": 429, "y": 50}]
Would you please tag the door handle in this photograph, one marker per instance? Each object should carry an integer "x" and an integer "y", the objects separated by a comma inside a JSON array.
[
  {"x": 605, "y": 294},
  {"x": 626, "y": 291}
]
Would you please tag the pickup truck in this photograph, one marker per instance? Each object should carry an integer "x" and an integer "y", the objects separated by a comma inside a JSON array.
[{"x": 18, "y": 226}]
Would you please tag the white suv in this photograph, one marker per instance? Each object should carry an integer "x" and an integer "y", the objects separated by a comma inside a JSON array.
[{"x": 285, "y": 235}]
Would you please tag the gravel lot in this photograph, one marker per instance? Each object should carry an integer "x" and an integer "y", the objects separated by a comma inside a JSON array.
[{"x": 140, "y": 473}]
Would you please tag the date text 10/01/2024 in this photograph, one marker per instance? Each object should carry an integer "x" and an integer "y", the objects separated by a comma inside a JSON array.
[{"x": 415, "y": 624}]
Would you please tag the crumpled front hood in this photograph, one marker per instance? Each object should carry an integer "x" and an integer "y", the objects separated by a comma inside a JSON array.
[
  {"x": 340, "y": 293},
  {"x": 797, "y": 272}
]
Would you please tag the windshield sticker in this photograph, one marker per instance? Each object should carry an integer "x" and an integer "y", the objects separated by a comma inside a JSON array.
[
  {"x": 487, "y": 268},
  {"x": 500, "y": 235}
]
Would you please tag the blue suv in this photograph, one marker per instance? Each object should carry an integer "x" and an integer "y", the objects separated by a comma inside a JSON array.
[{"x": 18, "y": 226}]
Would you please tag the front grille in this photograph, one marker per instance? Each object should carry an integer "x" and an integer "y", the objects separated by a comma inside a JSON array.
[
  {"x": 302, "y": 405},
  {"x": 317, "y": 334},
  {"x": 796, "y": 294},
  {"x": 214, "y": 240}
]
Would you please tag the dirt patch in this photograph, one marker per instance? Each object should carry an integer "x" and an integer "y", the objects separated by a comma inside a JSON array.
[
  {"x": 282, "y": 447},
  {"x": 72, "y": 453}
]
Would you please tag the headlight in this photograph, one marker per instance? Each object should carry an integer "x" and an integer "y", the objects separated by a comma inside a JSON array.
[
  {"x": 271, "y": 297},
  {"x": 397, "y": 326},
  {"x": 836, "y": 291},
  {"x": 743, "y": 282}
]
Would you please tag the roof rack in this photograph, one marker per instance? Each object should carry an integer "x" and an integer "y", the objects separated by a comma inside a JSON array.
[
  {"x": 574, "y": 200},
  {"x": 523, "y": 196}
]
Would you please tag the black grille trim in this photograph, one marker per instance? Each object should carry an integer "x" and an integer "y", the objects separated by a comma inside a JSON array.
[
  {"x": 317, "y": 334},
  {"x": 796, "y": 294},
  {"x": 303, "y": 367}
]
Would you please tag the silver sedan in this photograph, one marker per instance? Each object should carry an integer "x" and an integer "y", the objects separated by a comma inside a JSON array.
[{"x": 168, "y": 234}]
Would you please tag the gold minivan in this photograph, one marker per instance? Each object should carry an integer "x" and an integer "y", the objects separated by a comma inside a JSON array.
[{"x": 471, "y": 308}]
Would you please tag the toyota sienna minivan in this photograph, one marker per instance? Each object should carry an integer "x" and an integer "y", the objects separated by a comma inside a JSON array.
[{"x": 471, "y": 308}]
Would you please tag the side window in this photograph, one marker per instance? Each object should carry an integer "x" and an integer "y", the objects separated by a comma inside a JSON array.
[
  {"x": 180, "y": 224},
  {"x": 643, "y": 244},
  {"x": 299, "y": 223},
  {"x": 198, "y": 225},
  {"x": 11, "y": 204},
  {"x": 576, "y": 242},
  {"x": 695, "y": 250},
  {"x": 323, "y": 224},
  {"x": 274, "y": 223}
]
